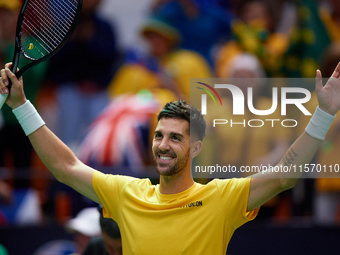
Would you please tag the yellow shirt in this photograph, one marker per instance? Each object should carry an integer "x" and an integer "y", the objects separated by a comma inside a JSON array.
[
  {"x": 180, "y": 65},
  {"x": 254, "y": 39},
  {"x": 131, "y": 78},
  {"x": 199, "y": 220}
]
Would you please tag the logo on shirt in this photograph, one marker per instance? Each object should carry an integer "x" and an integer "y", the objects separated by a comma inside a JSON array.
[{"x": 193, "y": 204}]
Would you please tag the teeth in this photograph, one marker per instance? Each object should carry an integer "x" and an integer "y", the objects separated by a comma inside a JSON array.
[{"x": 165, "y": 158}]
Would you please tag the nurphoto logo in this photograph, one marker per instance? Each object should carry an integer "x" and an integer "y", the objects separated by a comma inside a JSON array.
[
  {"x": 239, "y": 101},
  {"x": 243, "y": 99}
]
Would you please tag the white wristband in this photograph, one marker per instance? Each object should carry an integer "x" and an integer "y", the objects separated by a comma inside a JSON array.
[
  {"x": 28, "y": 117},
  {"x": 319, "y": 124}
]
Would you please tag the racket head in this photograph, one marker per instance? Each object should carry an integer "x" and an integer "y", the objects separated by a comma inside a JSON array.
[{"x": 44, "y": 26}]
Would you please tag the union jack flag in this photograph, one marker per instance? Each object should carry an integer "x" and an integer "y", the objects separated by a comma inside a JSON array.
[{"x": 119, "y": 137}]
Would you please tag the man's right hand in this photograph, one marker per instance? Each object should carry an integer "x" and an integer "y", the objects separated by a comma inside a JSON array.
[{"x": 16, "y": 92}]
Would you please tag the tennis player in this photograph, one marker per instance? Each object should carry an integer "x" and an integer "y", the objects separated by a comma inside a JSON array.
[{"x": 178, "y": 216}]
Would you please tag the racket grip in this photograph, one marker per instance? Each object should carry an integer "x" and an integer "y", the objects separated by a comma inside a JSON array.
[{"x": 2, "y": 99}]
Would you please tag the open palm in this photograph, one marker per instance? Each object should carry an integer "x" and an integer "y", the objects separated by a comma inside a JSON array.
[{"x": 329, "y": 95}]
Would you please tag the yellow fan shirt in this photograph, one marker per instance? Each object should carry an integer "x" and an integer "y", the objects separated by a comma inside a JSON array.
[{"x": 199, "y": 220}]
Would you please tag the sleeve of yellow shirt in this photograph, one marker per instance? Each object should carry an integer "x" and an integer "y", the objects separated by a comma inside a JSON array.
[
  {"x": 108, "y": 188},
  {"x": 234, "y": 197}
]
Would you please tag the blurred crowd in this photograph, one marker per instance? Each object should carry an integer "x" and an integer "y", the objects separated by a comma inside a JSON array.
[{"x": 101, "y": 97}]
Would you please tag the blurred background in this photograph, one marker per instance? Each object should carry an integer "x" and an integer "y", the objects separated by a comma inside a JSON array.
[{"x": 101, "y": 93}]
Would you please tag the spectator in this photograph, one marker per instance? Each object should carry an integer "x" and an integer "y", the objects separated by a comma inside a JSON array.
[
  {"x": 166, "y": 65},
  {"x": 255, "y": 33},
  {"x": 84, "y": 226},
  {"x": 109, "y": 243},
  {"x": 202, "y": 24}
]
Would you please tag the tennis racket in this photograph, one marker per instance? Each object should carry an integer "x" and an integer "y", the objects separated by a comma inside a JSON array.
[{"x": 43, "y": 27}]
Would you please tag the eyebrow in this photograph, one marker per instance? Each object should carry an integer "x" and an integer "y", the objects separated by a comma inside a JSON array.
[
  {"x": 171, "y": 134},
  {"x": 177, "y": 134}
]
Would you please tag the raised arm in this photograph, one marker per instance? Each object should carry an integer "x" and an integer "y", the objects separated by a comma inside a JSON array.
[
  {"x": 57, "y": 157},
  {"x": 264, "y": 186}
]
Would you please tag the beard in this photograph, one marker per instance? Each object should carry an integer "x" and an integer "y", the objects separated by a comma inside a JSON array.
[{"x": 174, "y": 168}]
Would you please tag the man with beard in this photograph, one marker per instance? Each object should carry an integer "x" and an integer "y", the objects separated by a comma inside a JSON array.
[{"x": 178, "y": 216}]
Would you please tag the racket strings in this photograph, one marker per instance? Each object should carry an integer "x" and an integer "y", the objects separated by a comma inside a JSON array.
[
  {"x": 45, "y": 26},
  {"x": 47, "y": 22}
]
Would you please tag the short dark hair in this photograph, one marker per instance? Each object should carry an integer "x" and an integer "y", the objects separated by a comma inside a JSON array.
[
  {"x": 181, "y": 110},
  {"x": 108, "y": 225}
]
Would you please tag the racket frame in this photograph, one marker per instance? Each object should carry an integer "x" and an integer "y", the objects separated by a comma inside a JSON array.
[{"x": 18, "y": 45}]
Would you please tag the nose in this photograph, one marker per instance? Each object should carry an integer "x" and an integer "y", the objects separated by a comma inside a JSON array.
[{"x": 164, "y": 145}]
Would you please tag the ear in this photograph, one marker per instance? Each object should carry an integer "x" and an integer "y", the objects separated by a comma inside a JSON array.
[{"x": 195, "y": 148}]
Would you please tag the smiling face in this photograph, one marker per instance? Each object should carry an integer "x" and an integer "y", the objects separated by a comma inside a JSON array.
[
  {"x": 159, "y": 45},
  {"x": 171, "y": 146}
]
